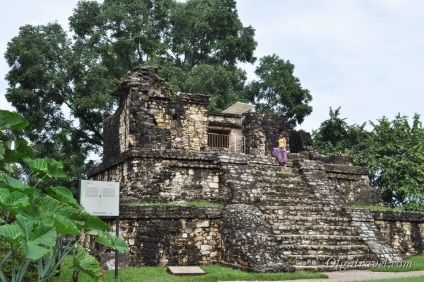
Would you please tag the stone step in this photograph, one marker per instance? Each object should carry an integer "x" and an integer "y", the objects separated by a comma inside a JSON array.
[
  {"x": 300, "y": 204},
  {"x": 303, "y": 201},
  {"x": 331, "y": 261},
  {"x": 303, "y": 209},
  {"x": 313, "y": 220},
  {"x": 310, "y": 216},
  {"x": 279, "y": 229},
  {"x": 275, "y": 181},
  {"x": 330, "y": 250},
  {"x": 283, "y": 186},
  {"x": 333, "y": 240},
  {"x": 277, "y": 172},
  {"x": 286, "y": 194}
]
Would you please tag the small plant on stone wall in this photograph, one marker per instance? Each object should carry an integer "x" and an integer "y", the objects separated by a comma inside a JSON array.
[{"x": 39, "y": 226}]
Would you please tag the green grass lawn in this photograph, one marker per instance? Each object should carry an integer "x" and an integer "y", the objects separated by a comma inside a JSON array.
[
  {"x": 375, "y": 208},
  {"x": 220, "y": 273},
  {"x": 406, "y": 279},
  {"x": 213, "y": 273},
  {"x": 412, "y": 264}
]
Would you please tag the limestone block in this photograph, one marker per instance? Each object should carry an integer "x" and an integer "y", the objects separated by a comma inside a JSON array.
[
  {"x": 205, "y": 247},
  {"x": 203, "y": 223}
]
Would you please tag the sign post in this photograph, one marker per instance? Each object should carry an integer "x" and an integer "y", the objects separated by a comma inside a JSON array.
[{"x": 101, "y": 198}]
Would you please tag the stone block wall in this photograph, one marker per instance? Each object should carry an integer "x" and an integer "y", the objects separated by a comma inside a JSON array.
[
  {"x": 152, "y": 116},
  {"x": 272, "y": 217},
  {"x": 295, "y": 205},
  {"x": 189, "y": 125},
  {"x": 404, "y": 230},
  {"x": 261, "y": 132},
  {"x": 168, "y": 235},
  {"x": 156, "y": 175},
  {"x": 115, "y": 142}
]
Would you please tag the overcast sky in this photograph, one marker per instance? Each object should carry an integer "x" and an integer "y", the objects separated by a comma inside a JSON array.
[{"x": 364, "y": 56}]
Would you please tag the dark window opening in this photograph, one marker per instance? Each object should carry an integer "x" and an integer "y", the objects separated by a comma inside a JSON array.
[{"x": 218, "y": 138}]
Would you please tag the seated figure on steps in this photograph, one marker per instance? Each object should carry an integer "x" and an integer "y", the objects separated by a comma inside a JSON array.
[{"x": 280, "y": 152}]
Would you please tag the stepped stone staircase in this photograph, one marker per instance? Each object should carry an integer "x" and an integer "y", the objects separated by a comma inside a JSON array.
[{"x": 309, "y": 222}]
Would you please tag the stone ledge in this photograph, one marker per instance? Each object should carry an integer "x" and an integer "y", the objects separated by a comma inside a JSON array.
[
  {"x": 398, "y": 216},
  {"x": 152, "y": 212},
  {"x": 348, "y": 169}
]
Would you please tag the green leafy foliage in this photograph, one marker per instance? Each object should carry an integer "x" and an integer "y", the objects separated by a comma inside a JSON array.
[
  {"x": 392, "y": 150},
  {"x": 278, "y": 90},
  {"x": 394, "y": 153},
  {"x": 336, "y": 136},
  {"x": 61, "y": 83},
  {"x": 12, "y": 121},
  {"x": 87, "y": 264},
  {"x": 40, "y": 225}
]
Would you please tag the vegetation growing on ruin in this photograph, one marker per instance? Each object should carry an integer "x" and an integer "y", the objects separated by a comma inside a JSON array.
[
  {"x": 392, "y": 150},
  {"x": 39, "y": 224}
]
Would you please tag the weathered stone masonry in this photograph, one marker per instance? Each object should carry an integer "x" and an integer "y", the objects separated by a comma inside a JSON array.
[{"x": 269, "y": 218}]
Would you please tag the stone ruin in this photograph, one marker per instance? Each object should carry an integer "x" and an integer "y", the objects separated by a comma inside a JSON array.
[{"x": 164, "y": 147}]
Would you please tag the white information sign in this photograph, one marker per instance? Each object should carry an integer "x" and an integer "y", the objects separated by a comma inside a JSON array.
[{"x": 100, "y": 198}]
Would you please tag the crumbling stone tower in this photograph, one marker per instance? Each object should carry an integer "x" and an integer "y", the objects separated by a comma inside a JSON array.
[
  {"x": 161, "y": 146},
  {"x": 151, "y": 116}
]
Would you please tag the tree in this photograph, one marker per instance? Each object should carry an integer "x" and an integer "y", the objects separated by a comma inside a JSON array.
[
  {"x": 394, "y": 154},
  {"x": 122, "y": 34},
  {"x": 62, "y": 85},
  {"x": 393, "y": 151},
  {"x": 207, "y": 78},
  {"x": 209, "y": 32},
  {"x": 42, "y": 223},
  {"x": 336, "y": 136},
  {"x": 46, "y": 79},
  {"x": 183, "y": 38},
  {"x": 278, "y": 90}
]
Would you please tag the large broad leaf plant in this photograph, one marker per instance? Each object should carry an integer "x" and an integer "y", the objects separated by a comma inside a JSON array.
[{"x": 40, "y": 226}]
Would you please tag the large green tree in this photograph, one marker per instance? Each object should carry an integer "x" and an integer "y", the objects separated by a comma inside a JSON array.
[
  {"x": 58, "y": 92},
  {"x": 393, "y": 150},
  {"x": 278, "y": 90},
  {"x": 62, "y": 82},
  {"x": 336, "y": 136}
]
